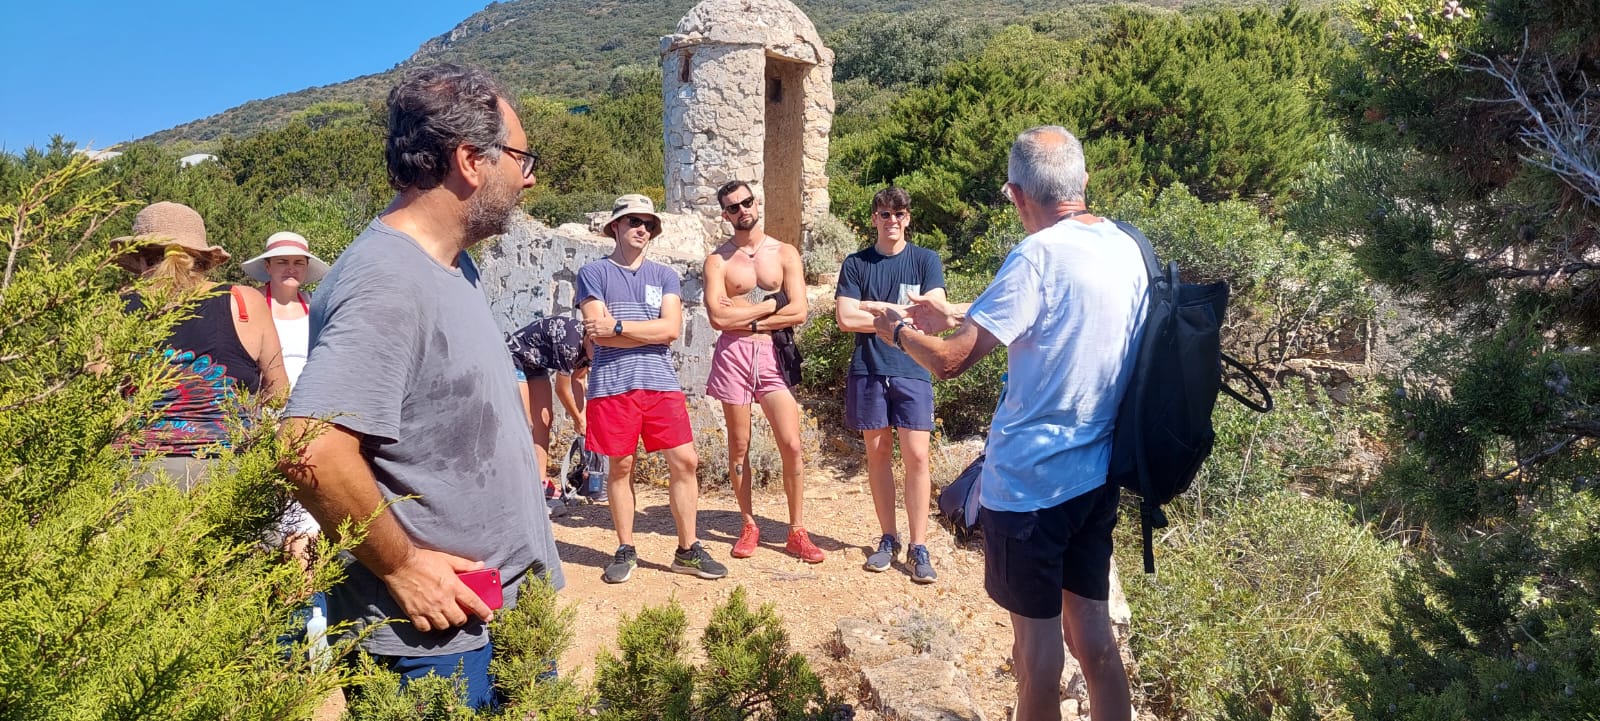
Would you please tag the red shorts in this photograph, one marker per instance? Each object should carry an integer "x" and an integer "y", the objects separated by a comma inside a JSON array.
[{"x": 617, "y": 423}]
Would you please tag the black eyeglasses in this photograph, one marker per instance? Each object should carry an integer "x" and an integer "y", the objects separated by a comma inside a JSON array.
[
  {"x": 736, "y": 205},
  {"x": 897, "y": 214},
  {"x": 635, "y": 221},
  {"x": 529, "y": 160}
]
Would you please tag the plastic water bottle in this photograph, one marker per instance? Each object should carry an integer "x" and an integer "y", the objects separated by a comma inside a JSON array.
[{"x": 317, "y": 634}]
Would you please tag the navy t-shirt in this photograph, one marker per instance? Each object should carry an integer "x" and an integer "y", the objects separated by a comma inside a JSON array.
[{"x": 870, "y": 275}]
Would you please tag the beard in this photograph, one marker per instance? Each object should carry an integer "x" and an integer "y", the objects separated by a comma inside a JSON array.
[
  {"x": 491, "y": 210},
  {"x": 746, "y": 223}
]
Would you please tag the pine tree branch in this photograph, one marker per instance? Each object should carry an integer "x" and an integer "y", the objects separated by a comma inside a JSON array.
[
  {"x": 1524, "y": 463},
  {"x": 1506, "y": 272},
  {"x": 1563, "y": 135}
]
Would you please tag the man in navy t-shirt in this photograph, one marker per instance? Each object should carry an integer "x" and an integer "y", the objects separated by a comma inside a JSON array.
[{"x": 887, "y": 391}]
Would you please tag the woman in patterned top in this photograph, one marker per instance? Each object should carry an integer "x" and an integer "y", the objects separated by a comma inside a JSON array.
[
  {"x": 550, "y": 344},
  {"x": 226, "y": 351}
]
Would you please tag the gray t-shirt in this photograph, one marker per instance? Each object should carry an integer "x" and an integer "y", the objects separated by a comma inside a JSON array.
[{"x": 405, "y": 352}]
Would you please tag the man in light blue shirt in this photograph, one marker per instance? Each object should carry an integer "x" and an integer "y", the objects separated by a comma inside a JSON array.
[{"x": 1069, "y": 304}]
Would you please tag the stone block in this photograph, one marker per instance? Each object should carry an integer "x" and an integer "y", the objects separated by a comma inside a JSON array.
[{"x": 920, "y": 688}]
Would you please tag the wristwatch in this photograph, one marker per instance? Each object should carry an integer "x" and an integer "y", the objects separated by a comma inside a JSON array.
[
  {"x": 754, "y": 328},
  {"x": 617, "y": 329},
  {"x": 897, "y": 326}
]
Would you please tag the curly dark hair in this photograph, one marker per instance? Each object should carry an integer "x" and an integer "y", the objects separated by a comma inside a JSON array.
[{"x": 435, "y": 110}]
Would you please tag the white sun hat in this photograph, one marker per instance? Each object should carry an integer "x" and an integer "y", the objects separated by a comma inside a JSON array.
[{"x": 285, "y": 243}]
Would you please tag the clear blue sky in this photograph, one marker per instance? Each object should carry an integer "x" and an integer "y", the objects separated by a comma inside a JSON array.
[{"x": 103, "y": 71}]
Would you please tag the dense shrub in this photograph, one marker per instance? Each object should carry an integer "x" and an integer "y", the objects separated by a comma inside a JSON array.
[
  {"x": 749, "y": 672},
  {"x": 1250, "y": 606}
]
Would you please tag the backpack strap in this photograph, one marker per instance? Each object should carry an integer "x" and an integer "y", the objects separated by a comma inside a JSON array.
[
  {"x": 1255, "y": 383},
  {"x": 1151, "y": 265},
  {"x": 238, "y": 298}
]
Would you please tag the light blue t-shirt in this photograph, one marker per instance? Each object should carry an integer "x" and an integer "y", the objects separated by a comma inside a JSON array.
[{"x": 1068, "y": 303}]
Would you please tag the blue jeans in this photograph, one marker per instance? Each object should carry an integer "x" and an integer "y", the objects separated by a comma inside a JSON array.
[{"x": 480, "y": 692}]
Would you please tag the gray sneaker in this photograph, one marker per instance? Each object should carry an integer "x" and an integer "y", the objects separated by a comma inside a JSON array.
[
  {"x": 622, "y": 565},
  {"x": 888, "y": 550},
  {"x": 696, "y": 562},
  {"x": 921, "y": 567}
]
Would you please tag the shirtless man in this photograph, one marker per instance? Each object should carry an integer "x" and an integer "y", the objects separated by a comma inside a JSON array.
[{"x": 755, "y": 285}]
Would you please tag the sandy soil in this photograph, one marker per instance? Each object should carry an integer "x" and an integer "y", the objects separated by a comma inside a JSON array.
[{"x": 809, "y": 598}]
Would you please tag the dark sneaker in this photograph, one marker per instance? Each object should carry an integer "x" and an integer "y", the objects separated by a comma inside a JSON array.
[
  {"x": 696, "y": 562},
  {"x": 888, "y": 550},
  {"x": 622, "y": 565},
  {"x": 921, "y": 567}
]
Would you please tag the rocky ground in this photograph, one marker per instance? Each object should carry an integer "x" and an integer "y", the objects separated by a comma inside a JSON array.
[{"x": 894, "y": 648}]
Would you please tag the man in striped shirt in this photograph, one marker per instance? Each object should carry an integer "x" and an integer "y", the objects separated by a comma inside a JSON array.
[{"x": 633, "y": 311}]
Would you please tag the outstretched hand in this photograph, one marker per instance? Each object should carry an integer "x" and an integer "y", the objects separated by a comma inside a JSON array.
[
  {"x": 430, "y": 594},
  {"x": 884, "y": 319},
  {"x": 932, "y": 315}
]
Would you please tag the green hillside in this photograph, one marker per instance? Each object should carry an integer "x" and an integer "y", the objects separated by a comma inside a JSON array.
[{"x": 569, "y": 48}]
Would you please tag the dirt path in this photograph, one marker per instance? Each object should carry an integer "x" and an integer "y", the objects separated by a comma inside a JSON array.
[{"x": 809, "y": 598}]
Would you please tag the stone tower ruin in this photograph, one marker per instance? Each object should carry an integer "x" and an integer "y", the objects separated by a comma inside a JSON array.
[{"x": 748, "y": 89}]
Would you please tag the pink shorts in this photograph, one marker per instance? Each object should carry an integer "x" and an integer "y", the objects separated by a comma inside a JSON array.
[{"x": 743, "y": 369}]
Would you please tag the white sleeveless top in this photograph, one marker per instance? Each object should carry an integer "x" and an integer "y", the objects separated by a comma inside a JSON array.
[{"x": 295, "y": 337}]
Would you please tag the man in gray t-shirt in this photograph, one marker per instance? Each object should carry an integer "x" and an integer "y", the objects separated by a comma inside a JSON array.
[{"x": 408, "y": 392}]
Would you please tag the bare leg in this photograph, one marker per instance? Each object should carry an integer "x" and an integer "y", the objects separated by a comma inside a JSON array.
[
  {"x": 1094, "y": 644},
  {"x": 1037, "y": 660},
  {"x": 783, "y": 413},
  {"x": 537, "y": 402},
  {"x": 880, "y": 475},
  {"x": 683, "y": 490},
  {"x": 919, "y": 484},
  {"x": 619, "y": 487},
  {"x": 739, "y": 474}
]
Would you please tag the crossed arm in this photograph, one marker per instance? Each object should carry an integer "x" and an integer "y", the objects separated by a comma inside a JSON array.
[
  {"x": 600, "y": 327},
  {"x": 727, "y": 313}
]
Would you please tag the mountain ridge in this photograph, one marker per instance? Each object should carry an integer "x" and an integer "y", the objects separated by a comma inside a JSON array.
[{"x": 568, "y": 50}]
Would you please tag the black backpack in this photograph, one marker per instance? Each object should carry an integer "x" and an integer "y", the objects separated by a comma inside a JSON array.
[{"x": 1163, "y": 432}]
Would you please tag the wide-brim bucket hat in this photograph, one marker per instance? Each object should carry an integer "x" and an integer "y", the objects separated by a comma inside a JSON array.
[
  {"x": 170, "y": 224},
  {"x": 633, "y": 204},
  {"x": 285, "y": 243}
]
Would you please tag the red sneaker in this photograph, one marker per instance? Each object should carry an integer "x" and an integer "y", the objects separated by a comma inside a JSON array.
[
  {"x": 800, "y": 545},
  {"x": 745, "y": 547}
]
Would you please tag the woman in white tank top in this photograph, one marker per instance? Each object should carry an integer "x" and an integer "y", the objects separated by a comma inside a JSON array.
[{"x": 285, "y": 267}]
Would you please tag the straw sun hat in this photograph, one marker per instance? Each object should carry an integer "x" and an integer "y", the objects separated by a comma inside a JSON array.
[
  {"x": 170, "y": 224},
  {"x": 281, "y": 244}
]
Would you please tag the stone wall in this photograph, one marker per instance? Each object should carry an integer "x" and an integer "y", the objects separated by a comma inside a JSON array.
[{"x": 531, "y": 272}]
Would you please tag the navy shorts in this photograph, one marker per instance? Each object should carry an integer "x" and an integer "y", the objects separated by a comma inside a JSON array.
[
  {"x": 1030, "y": 557},
  {"x": 875, "y": 402}
]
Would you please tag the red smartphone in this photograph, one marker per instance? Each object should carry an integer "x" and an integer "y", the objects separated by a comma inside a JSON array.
[{"x": 486, "y": 583}]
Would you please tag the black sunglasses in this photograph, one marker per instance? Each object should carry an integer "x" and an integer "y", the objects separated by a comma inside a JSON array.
[
  {"x": 635, "y": 221},
  {"x": 529, "y": 160},
  {"x": 736, "y": 205}
]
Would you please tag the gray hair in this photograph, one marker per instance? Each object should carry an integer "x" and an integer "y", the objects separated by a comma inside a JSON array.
[
  {"x": 1047, "y": 164},
  {"x": 435, "y": 110}
]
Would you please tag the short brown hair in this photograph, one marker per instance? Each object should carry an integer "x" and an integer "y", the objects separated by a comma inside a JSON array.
[{"x": 891, "y": 198}]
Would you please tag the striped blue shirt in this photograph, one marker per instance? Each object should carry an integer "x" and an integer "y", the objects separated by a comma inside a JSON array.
[{"x": 630, "y": 295}]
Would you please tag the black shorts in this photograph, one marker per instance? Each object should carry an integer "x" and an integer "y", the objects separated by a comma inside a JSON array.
[{"x": 1030, "y": 557}]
